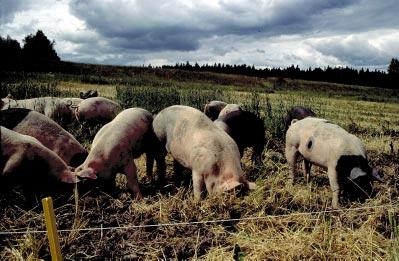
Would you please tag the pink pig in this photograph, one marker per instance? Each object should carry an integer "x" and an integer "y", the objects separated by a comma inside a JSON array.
[
  {"x": 197, "y": 144},
  {"x": 116, "y": 145},
  {"x": 97, "y": 109},
  {"x": 23, "y": 155}
]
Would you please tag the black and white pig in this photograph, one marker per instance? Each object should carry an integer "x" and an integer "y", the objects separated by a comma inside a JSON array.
[
  {"x": 213, "y": 108},
  {"x": 196, "y": 143},
  {"x": 47, "y": 131},
  {"x": 25, "y": 161},
  {"x": 88, "y": 94},
  {"x": 115, "y": 146},
  {"x": 229, "y": 108},
  {"x": 330, "y": 146},
  {"x": 246, "y": 129}
]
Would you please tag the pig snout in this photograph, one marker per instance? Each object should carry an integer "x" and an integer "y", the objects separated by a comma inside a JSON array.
[
  {"x": 68, "y": 177},
  {"x": 88, "y": 173},
  {"x": 239, "y": 188}
]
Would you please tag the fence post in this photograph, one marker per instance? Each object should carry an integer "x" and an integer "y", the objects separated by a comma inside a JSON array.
[{"x": 51, "y": 227}]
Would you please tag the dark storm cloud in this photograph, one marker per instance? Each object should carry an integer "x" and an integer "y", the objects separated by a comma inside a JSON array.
[
  {"x": 170, "y": 25},
  {"x": 365, "y": 15},
  {"x": 8, "y": 9}
]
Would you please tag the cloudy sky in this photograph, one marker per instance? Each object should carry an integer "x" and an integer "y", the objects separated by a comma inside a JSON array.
[{"x": 265, "y": 33}]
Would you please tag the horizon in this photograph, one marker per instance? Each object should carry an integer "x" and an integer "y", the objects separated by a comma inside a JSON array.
[{"x": 267, "y": 34}]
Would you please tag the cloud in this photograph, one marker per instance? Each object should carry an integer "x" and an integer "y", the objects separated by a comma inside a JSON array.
[
  {"x": 10, "y": 8},
  {"x": 364, "y": 49},
  {"x": 266, "y": 33},
  {"x": 176, "y": 25}
]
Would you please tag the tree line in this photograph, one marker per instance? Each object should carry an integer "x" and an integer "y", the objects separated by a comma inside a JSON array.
[
  {"x": 38, "y": 54},
  {"x": 345, "y": 75}
]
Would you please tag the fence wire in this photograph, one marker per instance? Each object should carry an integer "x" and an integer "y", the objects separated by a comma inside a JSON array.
[{"x": 28, "y": 231}]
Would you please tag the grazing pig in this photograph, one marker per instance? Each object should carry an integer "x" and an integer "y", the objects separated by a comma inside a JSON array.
[
  {"x": 97, "y": 109},
  {"x": 88, "y": 94},
  {"x": 213, "y": 108},
  {"x": 47, "y": 131},
  {"x": 116, "y": 145},
  {"x": 246, "y": 129},
  {"x": 26, "y": 161},
  {"x": 328, "y": 145},
  {"x": 229, "y": 108},
  {"x": 55, "y": 108},
  {"x": 197, "y": 144},
  {"x": 298, "y": 113}
]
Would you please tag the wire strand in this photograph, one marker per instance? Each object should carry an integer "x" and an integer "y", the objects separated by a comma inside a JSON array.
[{"x": 200, "y": 222}]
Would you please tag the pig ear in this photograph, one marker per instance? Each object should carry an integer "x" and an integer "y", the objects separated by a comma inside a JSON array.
[
  {"x": 251, "y": 185},
  {"x": 376, "y": 175},
  {"x": 229, "y": 185},
  {"x": 87, "y": 173},
  {"x": 355, "y": 173}
]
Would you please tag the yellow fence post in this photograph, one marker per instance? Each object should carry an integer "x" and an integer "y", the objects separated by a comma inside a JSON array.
[{"x": 51, "y": 226}]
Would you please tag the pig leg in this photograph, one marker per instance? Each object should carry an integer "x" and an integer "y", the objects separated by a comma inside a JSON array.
[
  {"x": 161, "y": 166},
  {"x": 257, "y": 154},
  {"x": 198, "y": 185},
  {"x": 306, "y": 169},
  {"x": 178, "y": 170},
  {"x": 149, "y": 157},
  {"x": 291, "y": 153},
  {"x": 333, "y": 178},
  {"x": 132, "y": 182}
]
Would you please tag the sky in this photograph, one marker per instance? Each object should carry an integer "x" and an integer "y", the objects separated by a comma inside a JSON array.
[{"x": 264, "y": 33}]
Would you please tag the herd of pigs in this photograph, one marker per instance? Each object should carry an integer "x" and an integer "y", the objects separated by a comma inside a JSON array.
[{"x": 35, "y": 148}]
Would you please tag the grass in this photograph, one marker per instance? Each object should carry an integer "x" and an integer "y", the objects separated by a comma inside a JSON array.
[{"x": 366, "y": 233}]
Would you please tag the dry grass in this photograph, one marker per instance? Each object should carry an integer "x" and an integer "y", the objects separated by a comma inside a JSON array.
[{"x": 294, "y": 222}]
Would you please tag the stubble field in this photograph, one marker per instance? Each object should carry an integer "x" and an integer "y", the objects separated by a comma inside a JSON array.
[{"x": 278, "y": 220}]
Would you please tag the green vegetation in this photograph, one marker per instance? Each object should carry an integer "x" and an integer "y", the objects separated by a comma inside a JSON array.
[{"x": 293, "y": 222}]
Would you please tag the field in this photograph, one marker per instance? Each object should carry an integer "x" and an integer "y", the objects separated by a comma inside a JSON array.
[{"x": 278, "y": 220}]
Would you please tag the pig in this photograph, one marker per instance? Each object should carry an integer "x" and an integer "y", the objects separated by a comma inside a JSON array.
[
  {"x": 298, "y": 113},
  {"x": 24, "y": 160},
  {"x": 330, "y": 146},
  {"x": 213, "y": 108},
  {"x": 47, "y": 131},
  {"x": 197, "y": 144},
  {"x": 229, "y": 108},
  {"x": 97, "y": 109},
  {"x": 115, "y": 146},
  {"x": 88, "y": 94},
  {"x": 246, "y": 129},
  {"x": 53, "y": 107},
  {"x": 72, "y": 101}
]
